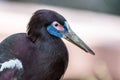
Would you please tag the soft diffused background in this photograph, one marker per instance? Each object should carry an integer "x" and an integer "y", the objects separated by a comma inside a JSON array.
[{"x": 97, "y": 22}]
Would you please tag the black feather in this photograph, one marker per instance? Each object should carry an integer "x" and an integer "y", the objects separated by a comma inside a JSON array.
[{"x": 44, "y": 57}]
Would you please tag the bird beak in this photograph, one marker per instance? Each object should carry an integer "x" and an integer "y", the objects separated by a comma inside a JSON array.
[{"x": 73, "y": 38}]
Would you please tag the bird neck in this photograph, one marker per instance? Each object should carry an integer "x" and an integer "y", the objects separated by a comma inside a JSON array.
[
  {"x": 48, "y": 38},
  {"x": 41, "y": 35}
]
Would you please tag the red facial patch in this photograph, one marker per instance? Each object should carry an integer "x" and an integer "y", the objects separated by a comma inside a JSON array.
[{"x": 60, "y": 28}]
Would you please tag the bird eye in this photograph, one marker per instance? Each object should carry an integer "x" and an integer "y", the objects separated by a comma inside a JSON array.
[{"x": 55, "y": 24}]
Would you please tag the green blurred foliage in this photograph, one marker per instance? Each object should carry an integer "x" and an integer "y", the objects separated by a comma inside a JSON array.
[{"x": 107, "y": 6}]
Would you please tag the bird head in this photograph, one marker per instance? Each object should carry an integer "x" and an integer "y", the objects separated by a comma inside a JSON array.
[{"x": 55, "y": 25}]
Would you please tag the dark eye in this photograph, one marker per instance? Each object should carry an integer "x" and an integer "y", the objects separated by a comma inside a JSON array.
[{"x": 56, "y": 25}]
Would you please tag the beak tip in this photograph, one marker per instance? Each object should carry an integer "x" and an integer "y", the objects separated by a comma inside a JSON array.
[{"x": 91, "y": 52}]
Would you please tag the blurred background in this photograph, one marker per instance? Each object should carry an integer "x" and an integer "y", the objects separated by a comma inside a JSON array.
[{"x": 97, "y": 22}]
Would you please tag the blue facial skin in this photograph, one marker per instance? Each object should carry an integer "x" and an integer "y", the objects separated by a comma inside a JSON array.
[{"x": 58, "y": 33}]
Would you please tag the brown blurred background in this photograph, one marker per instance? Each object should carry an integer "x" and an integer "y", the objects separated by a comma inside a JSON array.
[{"x": 97, "y": 22}]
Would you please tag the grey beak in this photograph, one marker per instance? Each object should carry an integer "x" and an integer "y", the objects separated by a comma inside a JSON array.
[{"x": 73, "y": 38}]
